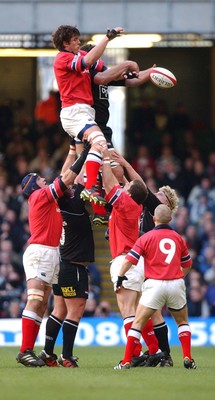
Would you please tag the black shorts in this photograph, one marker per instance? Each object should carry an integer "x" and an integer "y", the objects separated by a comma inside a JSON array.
[{"x": 73, "y": 281}]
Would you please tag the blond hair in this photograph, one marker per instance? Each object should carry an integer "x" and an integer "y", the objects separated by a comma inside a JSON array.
[{"x": 171, "y": 197}]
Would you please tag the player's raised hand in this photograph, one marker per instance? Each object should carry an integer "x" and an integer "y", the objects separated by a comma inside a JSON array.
[
  {"x": 113, "y": 33},
  {"x": 118, "y": 158}
]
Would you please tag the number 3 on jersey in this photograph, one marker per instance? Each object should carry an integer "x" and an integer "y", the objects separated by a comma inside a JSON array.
[{"x": 167, "y": 246}]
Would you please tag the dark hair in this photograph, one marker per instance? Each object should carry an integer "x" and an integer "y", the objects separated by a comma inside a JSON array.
[
  {"x": 64, "y": 34},
  {"x": 87, "y": 47},
  {"x": 138, "y": 191}
]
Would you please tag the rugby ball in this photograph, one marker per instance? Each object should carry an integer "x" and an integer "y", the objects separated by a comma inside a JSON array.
[{"x": 163, "y": 78}]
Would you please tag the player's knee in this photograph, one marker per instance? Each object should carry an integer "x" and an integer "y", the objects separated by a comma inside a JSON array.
[
  {"x": 96, "y": 137},
  {"x": 35, "y": 294}
]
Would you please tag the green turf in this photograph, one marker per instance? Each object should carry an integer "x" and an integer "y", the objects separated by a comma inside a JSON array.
[{"x": 96, "y": 379}]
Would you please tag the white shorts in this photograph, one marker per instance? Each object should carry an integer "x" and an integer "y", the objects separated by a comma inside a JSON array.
[
  {"x": 41, "y": 262},
  {"x": 75, "y": 118},
  {"x": 135, "y": 274},
  {"x": 157, "y": 293}
]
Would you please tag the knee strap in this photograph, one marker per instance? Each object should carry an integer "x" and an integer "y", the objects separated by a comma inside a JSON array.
[
  {"x": 35, "y": 294},
  {"x": 96, "y": 137}
]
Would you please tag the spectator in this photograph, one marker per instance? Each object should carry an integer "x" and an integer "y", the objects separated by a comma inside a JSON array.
[
  {"x": 210, "y": 297},
  {"x": 6, "y": 116},
  {"x": 192, "y": 239},
  {"x": 205, "y": 259},
  {"x": 142, "y": 123},
  {"x": 209, "y": 275},
  {"x": 161, "y": 116},
  {"x": 198, "y": 172},
  {"x": 11, "y": 285},
  {"x": 19, "y": 146},
  {"x": 199, "y": 207},
  {"x": 90, "y": 307},
  {"x": 47, "y": 110},
  {"x": 20, "y": 169},
  {"x": 165, "y": 158},
  {"x": 94, "y": 281},
  {"x": 206, "y": 228},
  {"x": 211, "y": 166},
  {"x": 143, "y": 160},
  {"x": 203, "y": 188},
  {"x": 172, "y": 176},
  {"x": 181, "y": 220},
  {"x": 196, "y": 295},
  {"x": 180, "y": 121},
  {"x": 104, "y": 310},
  {"x": 14, "y": 309}
]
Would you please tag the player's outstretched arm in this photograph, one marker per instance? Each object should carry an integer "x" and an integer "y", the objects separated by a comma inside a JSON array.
[
  {"x": 125, "y": 164},
  {"x": 116, "y": 72},
  {"x": 143, "y": 77},
  {"x": 70, "y": 159},
  {"x": 108, "y": 178},
  {"x": 97, "y": 51},
  {"x": 69, "y": 175}
]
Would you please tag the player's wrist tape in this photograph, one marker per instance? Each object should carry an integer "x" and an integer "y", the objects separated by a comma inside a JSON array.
[
  {"x": 111, "y": 34},
  {"x": 106, "y": 160},
  {"x": 72, "y": 150}
]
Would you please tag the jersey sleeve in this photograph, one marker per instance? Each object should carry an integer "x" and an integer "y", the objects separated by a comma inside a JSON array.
[
  {"x": 66, "y": 61},
  {"x": 94, "y": 71},
  {"x": 186, "y": 261},
  {"x": 113, "y": 195},
  {"x": 98, "y": 66},
  {"x": 56, "y": 189},
  {"x": 136, "y": 252}
]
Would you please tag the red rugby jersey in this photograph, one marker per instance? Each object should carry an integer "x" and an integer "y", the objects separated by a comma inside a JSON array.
[
  {"x": 164, "y": 252},
  {"x": 123, "y": 222},
  {"x": 74, "y": 81},
  {"x": 45, "y": 220}
]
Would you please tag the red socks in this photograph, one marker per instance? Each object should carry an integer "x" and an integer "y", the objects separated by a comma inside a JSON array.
[
  {"x": 150, "y": 338},
  {"x": 184, "y": 335},
  {"x": 30, "y": 328},
  {"x": 133, "y": 339},
  {"x": 92, "y": 166}
]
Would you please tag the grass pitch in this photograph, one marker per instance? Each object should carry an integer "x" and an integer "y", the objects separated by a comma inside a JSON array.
[{"x": 96, "y": 379}]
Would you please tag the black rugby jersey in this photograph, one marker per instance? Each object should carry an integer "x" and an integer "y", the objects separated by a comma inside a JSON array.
[
  {"x": 77, "y": 243},
  {"x": 101, "y": 103},
  {"x": 151, "y": 202}
]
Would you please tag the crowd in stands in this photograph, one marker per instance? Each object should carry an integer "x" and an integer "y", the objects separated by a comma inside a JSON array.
[{"x": 164, "y": 148}]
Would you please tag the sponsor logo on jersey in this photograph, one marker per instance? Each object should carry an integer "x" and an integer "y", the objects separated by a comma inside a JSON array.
[{"x": 103, "y": 92}]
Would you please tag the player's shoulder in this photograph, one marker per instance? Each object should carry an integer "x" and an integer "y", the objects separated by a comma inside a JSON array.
[{"x": 63, "y": 55}]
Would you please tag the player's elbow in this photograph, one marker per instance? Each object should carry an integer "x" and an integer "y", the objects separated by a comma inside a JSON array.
[{"x": 100, "y": 79}]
